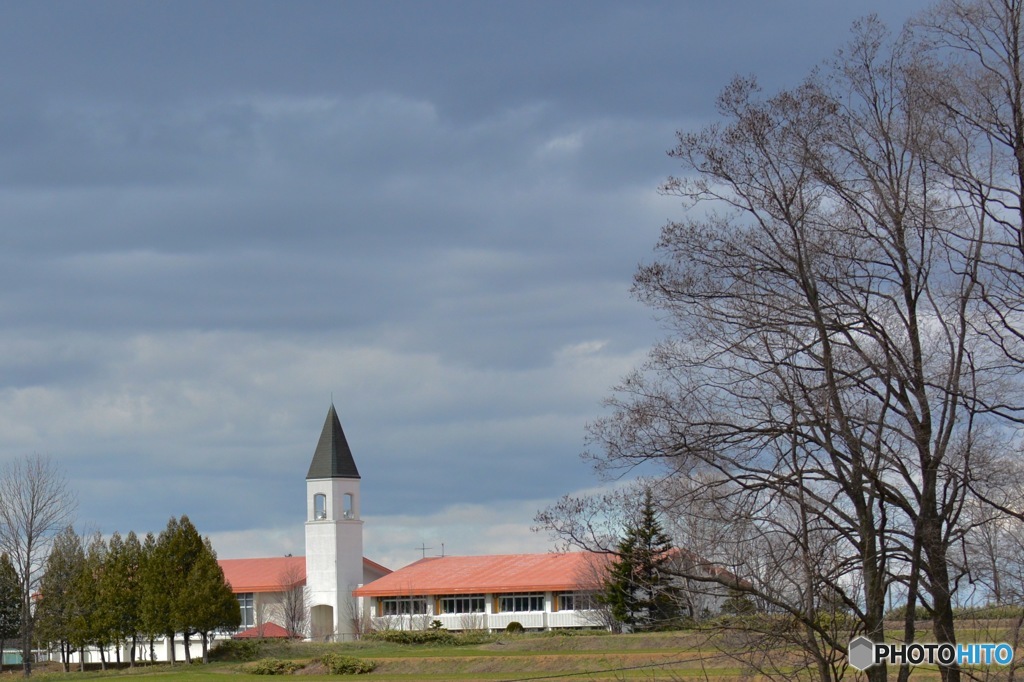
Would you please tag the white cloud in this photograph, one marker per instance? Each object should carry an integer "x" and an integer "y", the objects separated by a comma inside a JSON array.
[
  {"x": 258, "y": 542},
  {"x": 396, "y": 540},
  {"x": 180, "y": 415}
]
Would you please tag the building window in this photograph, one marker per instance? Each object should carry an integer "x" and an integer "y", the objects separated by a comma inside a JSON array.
[
  {"x": 402, "y": 606},
  {"x": 245, "y": 603},
  {"x": 527, "y": 601},
  {"x": 575, "y": 601},
  {"x": 465, "y": 603},
  {"x": 350, "y": 511},
  {"x": 319, "y": 507}
]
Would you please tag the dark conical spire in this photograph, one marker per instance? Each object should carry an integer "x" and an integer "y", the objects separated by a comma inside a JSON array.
[{"x": 332, "y": 458}]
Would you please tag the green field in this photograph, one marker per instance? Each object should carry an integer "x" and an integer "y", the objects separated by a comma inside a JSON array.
[
  {"x": 648, "y": 656},
  {"x": 661, "y": 656}
]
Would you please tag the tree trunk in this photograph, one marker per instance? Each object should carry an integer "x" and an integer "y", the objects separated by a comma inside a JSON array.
[
  {"x": 205, "y": 647},
  {"x": 26, "y": 632}
]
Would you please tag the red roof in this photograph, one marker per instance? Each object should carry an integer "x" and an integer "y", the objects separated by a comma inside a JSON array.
[
  {"x": 490, "y": 574},
  {"x": 374, "y": 566},
  {"x": 272, "y": 574},
  {"x": 269, "y": 631}
]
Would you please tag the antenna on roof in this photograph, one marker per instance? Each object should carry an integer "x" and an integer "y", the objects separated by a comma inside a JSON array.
[
  {"x": 423, "y": 548},
  {"x": 442, "y": 550}
]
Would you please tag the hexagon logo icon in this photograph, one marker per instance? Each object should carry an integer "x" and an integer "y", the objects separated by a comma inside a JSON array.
[{"x": 862, "y": 653}]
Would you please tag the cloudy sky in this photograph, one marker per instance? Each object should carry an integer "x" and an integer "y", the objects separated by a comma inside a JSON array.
[{"x": 216, "y": 216}]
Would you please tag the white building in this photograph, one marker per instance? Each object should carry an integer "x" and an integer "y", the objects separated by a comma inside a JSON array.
[
  {"x": 334, "y": 535},
  {"x": 538, "y": 591},
  {"x": 346, "y": 593}
]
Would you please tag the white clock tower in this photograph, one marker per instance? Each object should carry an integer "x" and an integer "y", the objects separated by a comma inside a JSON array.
[{"x": 334, "y": 535}]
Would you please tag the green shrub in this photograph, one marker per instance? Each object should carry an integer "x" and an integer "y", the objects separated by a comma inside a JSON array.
[
  {"x": 435, "y": 637},
  {"x": 900, "y": 613},
  {"x": 338, "y": 664},
  {"x": 271, "y": 666},
  {"x": 236, "y": 650},
  {"x": 514, "y": 628},
  {"x": 737, "y": 604}
]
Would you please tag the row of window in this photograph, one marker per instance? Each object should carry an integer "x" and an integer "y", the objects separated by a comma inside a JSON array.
[
  {"x": 470, "y": 603},
  {"x": 474, "y": 603},
  {"x": 402, "y": 606},
  {"x": 521, "y": 602},
  {"x": 466, "y": 603}
]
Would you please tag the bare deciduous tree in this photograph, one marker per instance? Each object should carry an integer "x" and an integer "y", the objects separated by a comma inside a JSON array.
[
  {"x": 35, "y": 505},
  {"x": 845, "y": 309},
  {"x": 294, "y": 605}
]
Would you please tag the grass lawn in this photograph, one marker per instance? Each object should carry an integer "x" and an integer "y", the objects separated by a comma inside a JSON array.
[{"x": 648, "y": 656}]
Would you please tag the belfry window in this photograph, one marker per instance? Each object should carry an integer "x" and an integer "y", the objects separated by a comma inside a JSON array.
[
  {"x": 319, "y": 507},
  {"x": 350, "y": 512}
]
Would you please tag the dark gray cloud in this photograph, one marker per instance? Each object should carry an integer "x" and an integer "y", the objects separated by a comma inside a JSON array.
[{"x": 215, "y": 215}]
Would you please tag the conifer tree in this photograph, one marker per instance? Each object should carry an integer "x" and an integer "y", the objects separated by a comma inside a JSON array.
[
  {"x": 90, "y": 620},
  {"x": 10, "y": 602},
  {"x": 130, "y": 597},
  {"x": 154, "y": 602},
  {"x": 56, "y": 606},
  {"x": 183, "y": 548},
  {"x": 164, "y": 580},
  {"x": 639, "y": 588},
  {"x": 207, "y": 602},
  {"x": 119, "y": 591}
]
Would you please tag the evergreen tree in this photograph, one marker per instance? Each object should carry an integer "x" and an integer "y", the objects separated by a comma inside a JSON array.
[
  {"x": 56, "y": 606},
  {"x": 10, "y": 602},
  {"x": 639, "y": 589},
  {"x": 183, "y": 548},
  {"x": 164, "y": 580},
  {"x": 107, "y": 594},
  {"x": 207, "y": 602},
  {"x": 118, "y": 594},
  {"x": 154, "y": 602},
  {"x": 89, "y": 620},
  {"x": 129, "y": 571}
]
